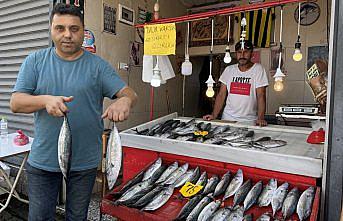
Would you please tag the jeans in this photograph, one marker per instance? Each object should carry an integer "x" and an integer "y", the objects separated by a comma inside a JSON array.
[{"x": 43, "y": 189}]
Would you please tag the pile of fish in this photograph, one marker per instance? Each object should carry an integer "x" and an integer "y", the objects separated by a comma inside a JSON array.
[
  {"x": 151, "y": 189},
  {"x": 210, "y": 134}
]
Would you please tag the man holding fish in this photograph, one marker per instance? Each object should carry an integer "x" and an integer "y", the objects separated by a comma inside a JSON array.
[
  {"x": 244, "y": 88},
  {"x": 67, "y": 81}
]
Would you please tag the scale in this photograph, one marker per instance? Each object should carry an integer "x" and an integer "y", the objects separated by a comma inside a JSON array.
[{"x": 306, "y": 109}]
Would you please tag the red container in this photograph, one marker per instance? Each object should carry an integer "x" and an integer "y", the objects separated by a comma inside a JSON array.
[{"x": 136, "y": 160}]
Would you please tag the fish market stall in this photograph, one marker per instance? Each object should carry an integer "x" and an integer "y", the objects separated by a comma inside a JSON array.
[{"x": 262, "y": 154}]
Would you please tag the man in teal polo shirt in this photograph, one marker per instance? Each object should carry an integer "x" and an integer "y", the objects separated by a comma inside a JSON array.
[{"x": 67, "y": 79}]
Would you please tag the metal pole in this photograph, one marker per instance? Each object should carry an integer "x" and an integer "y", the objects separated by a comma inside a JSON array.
[
  {"x": 224, "y": 11},
  {"x": 333, "y": 163}
]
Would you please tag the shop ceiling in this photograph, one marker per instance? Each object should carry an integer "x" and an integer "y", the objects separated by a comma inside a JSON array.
[{"x": 196, "y": 3}]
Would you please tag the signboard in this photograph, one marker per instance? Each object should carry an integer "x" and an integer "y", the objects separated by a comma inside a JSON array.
[
  {"x": 160, "y": 39},
  {"x": 109, "y": 19}
]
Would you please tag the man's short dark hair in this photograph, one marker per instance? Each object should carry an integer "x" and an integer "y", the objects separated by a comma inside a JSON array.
[
  {"x": 64, "y": 9},
  {"x": 247, "y": 45}
]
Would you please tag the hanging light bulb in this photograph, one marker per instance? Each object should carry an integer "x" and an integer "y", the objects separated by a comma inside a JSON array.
[
  {"x": 210, "y": 82},
  {"x": 227, "y": 57},
  {"x": 278, "y": 77},
  {"x": 297, "y": 56},
  {"x": 243, "y": 34},
  {"x": 186, "y": 67},
  {"x": 156, "y": 75}
]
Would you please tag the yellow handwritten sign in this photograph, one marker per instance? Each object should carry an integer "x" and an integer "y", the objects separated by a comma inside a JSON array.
[
  {"x": 190, "y": 189},
  {"x": 200, "y": 133},
  {"x": 160, "y": 39}
]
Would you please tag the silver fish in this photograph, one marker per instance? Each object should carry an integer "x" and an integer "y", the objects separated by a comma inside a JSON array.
[
  {"x": 221, "y": 215},
  {"x": 214, "y": 140},
  {"x": 278, "y": 197},
  {"x": 138, "y": 178},
  {"x": 208, "y": 210},
  {"x": 234, "y": 185},
  {"x": 184, "y": 138},
  {"x": 290, "y": 203},
  {"x": 270, "y": 144},
  {"x": 264, "y": 217},
  {"x": 267, "y": 193},
  {"x": 148, "y": 197},
  {"x": 220, "y": 129},
  {"x": 304, "y": 206},
  {"x": 252, "y": 196},
  {"x": 152, "y": 169},
  {"x": 133, "y": 190},
  {"x": 211, "y": 185},
  {"x": 184, "y": 178},
  {"x": 241, "y": 193},
  {"x": 176, "y": 174},
  {"x": 65, "y": 147},
  {"x": 202, "y": 181},
  {"x": 199, "y": 207},
  {"x": 236, "y": 215},
  {"x": 171, "y": 168},
  {"x": 160, "y": 199},
  {"x": 233, "y": 136},
  {"x": 195, "y": 176},
  {"x": 188, "y": 207},
  {"x": 222, "y": 185}
]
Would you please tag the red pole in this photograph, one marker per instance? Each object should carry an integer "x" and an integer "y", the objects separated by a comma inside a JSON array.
[
  {"x": 151, "y": 103},
  {"x": 224, "y": 11}
]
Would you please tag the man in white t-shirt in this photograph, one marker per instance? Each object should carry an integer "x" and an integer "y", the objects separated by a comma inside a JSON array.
[{"x": 245, "y": 85}]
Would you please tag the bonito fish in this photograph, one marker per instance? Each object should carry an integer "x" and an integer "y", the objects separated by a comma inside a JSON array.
[
  {"x": 304, "y": 206},
  {"x": 64, "y": 147},
  {"x": 160, "y": 199},
  {"x": 113, "y": 157},
  {"x": 152, "y": 169}
]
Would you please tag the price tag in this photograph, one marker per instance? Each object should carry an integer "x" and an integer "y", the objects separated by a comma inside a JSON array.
[
  {"x": 190, "y": 189},
  {"x": 200, "y": 133}
]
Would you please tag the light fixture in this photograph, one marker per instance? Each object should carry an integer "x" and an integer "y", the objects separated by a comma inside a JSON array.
[
  {"x": 243, "y": 34},
  {"x": 210, "y": 82},
  {"x": 297, "y": 56},
  {"x": 227, "y": 57},
  {"x": 278, "y": 76},
  {"x": 156, "y": 75},
  {"x": 186, "y": 67}
]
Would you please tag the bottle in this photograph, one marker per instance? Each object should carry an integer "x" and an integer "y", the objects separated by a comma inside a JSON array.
[{"x": 3, "y": 128}]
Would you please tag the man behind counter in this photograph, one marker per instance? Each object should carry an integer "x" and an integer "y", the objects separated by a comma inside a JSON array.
[{"x": 245, "y": 85}]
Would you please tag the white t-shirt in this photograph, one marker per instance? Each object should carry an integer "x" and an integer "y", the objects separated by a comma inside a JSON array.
[{"x": 241, "y": 102}]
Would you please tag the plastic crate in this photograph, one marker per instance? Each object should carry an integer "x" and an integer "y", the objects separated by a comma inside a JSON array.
[{"x": 136, "y": 160}]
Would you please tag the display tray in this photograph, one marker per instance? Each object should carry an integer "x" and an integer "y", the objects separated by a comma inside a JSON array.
[
  {"x": 170, "y": 210},
  {"x": 297, "y": 157}
]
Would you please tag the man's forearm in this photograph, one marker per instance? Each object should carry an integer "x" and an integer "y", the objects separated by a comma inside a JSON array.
[
  {"x": 26, "y": 103},
  {"x": 129, "y": 93},
  {"x": 261, "y": 108},
  {"x": 218, "y": 105}
]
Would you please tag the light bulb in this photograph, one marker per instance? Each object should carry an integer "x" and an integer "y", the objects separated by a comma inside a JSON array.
[
  {"x": 297, "y": 56},
  {"x": 209, "y": 91},
  {"x": 155, "y": 82},
  {"x": 156, "y": 77},
  {"x": 227, "y": 58},
  {"x": 278, "y": 86},
  {"x": 186, "y": 67}
]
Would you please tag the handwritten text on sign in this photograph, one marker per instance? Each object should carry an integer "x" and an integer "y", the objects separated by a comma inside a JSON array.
[
  {"x": 159, "y": 39},
  {"x": 190, "y": 189}
]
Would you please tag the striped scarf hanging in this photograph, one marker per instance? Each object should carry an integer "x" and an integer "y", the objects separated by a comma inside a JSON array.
[{"x": 259, "y": 26}]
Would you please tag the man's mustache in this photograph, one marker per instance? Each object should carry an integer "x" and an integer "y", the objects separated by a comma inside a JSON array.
[{"x": 242, "y": 59}]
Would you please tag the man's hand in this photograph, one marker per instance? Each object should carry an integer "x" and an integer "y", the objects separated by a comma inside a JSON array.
[
  {"x": 55, "y": 105},
  {"x": 208, "y": 117},
  {"x": 119, "y": 110},
  {"x": 261, "y": 122}
]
